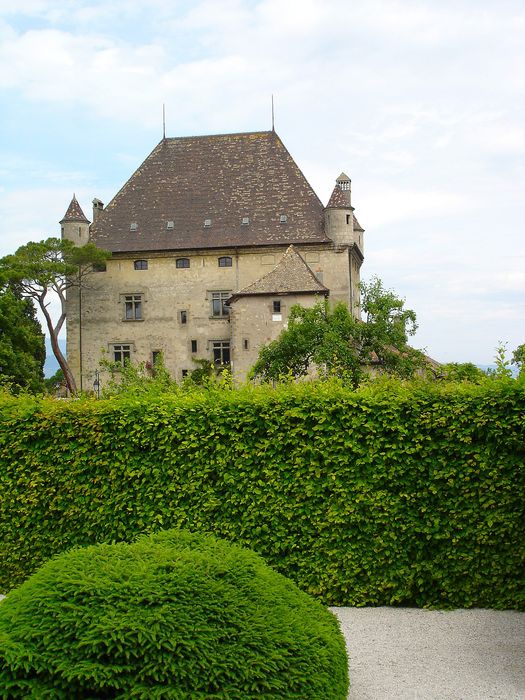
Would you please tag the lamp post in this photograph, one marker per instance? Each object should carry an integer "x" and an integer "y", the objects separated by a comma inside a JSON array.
[{"x": 96, "y": 383}]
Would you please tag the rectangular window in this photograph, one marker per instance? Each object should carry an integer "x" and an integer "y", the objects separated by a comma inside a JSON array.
[
  {"x": 183, "y": 316},
  {"x": 277, "y": 307},
  {"x": 133, "y": 307},
  {"x": 221, "y": 352},
  {"x": 194, "y": 346},
  {"x": 246, "y": 344},
  {"x": 184, "y": 373},
  {"x": 121, "y": 353},
  {"x": 218, "y": 304},
  {"x": 156, "y": 356}
]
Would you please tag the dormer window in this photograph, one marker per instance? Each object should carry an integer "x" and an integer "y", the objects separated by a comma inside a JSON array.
[
  {"x": 133, "y": 226},
  {"x": 283, "y": 219},
  {"x": 170, "y": 224},
  {"x": 245, "y": 220},
  {"x": 207, "y": 223}
]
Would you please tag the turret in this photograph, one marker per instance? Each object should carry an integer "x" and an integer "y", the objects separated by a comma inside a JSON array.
[
  {"x": 75, "y": 225},
  {"x": 339, "y": 216}
]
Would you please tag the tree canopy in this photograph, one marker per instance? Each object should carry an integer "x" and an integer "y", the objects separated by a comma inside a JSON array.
[
  {"x": 337, "y": 343},
  {"x": 22, "y": 350},
  {"x": 39, "y": 269}
]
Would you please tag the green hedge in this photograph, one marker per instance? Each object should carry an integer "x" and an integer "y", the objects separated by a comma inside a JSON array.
[{"x": 409, "y": 494}]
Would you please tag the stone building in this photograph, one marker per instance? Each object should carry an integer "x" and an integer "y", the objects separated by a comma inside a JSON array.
[{"x": 213, "y": 239}]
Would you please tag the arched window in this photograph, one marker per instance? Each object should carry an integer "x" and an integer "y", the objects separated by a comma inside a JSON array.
[
  {"x": 182, "y": 263},
  {"x": 225, "y": 261},
  {"x": 140, "y": 264}
]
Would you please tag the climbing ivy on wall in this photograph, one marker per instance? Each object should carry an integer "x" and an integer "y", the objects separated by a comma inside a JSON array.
[{"x": 395, "y": 493}]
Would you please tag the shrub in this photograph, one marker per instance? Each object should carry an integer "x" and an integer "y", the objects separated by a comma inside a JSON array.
[{"x": 174, "y": 615}]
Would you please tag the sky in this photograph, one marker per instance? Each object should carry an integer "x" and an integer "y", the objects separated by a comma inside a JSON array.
[{"x": 421, "y": 103}]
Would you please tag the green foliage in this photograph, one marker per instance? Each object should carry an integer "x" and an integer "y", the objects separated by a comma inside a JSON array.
[
  {"x": 54, "y": 382},
  {"x": 138, "y": 379},
  {"x": 339, "y": 345},
  {"x": 51, "y": 267},
  {"x": 503, "y": 368},
  {"x": 408, "y": 493},
  {"x": 209, "y": 375},
  {"x": 44, "y": 263},
  {"x": 461, "y": 372},
  {"x": 22, "y": 350},
  {"x": 175, "y": 615}
]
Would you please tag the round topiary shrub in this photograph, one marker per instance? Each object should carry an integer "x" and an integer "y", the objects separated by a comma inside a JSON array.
[{"x": 173, "y": 615}]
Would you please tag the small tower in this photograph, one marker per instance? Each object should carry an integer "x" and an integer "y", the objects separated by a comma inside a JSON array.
[
  {"x": 339, "y": 217},
  {"x": 347, "y": 234},
  {"x": 75, "y": 225}
]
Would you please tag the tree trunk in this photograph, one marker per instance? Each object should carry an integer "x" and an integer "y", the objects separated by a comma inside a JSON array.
[{"x": 57, "y": 352}]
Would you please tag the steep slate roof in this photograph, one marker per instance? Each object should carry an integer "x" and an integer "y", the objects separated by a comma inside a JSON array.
[
  {"x": 290, "y": 276},
  {"x": 223, "y": 178},
  {"x": 337, "y": 199},
  {"x": 74, "y": 213}
]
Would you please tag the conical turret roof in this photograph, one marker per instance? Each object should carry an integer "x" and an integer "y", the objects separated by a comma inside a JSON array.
[
  {"x": 337, "y": 199},
  {"x": 74, "y": 213}
]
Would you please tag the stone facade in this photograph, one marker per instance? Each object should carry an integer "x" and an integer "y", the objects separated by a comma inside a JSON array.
[{"x": 214, "y": 276}]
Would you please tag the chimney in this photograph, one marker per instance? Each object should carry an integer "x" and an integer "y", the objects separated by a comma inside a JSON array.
[
  {"x": 98, "y": 206},
  {"x": 345, "y": 185}
]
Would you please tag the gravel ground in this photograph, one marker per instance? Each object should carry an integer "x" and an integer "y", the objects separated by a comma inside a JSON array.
[{"x": 411, "y": 654}]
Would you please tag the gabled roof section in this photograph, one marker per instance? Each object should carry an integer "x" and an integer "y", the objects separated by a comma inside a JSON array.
[
  {"x": 290, "y": 276},
  {"x": 74, "y": 213},
  {"x": 218, "y": 179}
]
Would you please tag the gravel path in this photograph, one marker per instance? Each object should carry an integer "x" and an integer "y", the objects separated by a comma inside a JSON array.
[{"x": 411, "y": 654}]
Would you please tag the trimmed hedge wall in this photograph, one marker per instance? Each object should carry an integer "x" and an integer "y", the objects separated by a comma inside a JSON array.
[{"x": 409, "y": 494}]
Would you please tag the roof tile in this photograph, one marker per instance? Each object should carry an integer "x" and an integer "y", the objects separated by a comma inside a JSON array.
[
  {"x": 223, "y": 178},
  {"x": 290, "y": 275},
  {"x": 74, "y": 212},
  {"x": 337, "y": 199}
]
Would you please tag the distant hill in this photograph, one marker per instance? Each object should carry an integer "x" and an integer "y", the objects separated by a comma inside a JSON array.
[{"x": 51, "y": 365}]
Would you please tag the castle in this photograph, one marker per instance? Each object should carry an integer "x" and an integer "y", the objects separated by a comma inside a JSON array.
[{"x": 213, "y": 240}]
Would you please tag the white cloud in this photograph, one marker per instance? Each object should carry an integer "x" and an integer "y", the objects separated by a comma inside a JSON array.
[{"x": 418, "y": 101}]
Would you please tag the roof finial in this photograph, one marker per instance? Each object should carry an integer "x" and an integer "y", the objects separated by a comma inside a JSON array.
[
  {"x": 273, "y": 117},
  {"x": 163, "y": 120}
]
